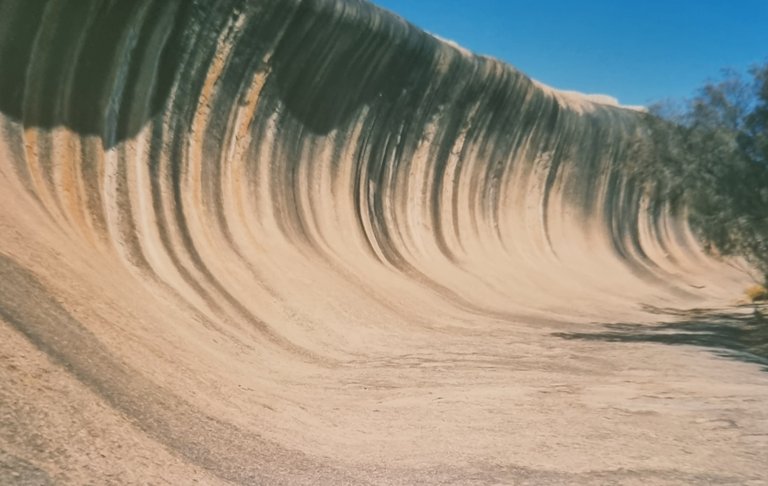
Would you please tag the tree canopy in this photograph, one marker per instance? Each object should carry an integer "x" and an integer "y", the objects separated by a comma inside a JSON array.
[{"x": 710, "y": 154}]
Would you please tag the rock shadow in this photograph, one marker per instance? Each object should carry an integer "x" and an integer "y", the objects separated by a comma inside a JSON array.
[{"x": 734, "y": 334}]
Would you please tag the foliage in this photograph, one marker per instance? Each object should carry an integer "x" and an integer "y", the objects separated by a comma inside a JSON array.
[
  {"x": 710, "y": 154},
  {"x": 757, "y": 293}
]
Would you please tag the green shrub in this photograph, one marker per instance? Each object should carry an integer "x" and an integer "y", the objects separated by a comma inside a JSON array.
[{"x": 710, "y": 155}]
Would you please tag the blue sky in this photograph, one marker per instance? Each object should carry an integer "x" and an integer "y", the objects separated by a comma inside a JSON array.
[{"x": 637, "y": 51}]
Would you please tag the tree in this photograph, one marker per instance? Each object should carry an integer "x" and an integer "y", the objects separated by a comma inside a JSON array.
[{"x": 710, "y": 154}]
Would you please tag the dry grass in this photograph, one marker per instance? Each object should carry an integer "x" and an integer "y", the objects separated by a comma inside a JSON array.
[{"x": 757, "y": 293}]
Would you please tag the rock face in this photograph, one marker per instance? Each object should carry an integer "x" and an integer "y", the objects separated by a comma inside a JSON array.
[{"x": 286, "y": 242}]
